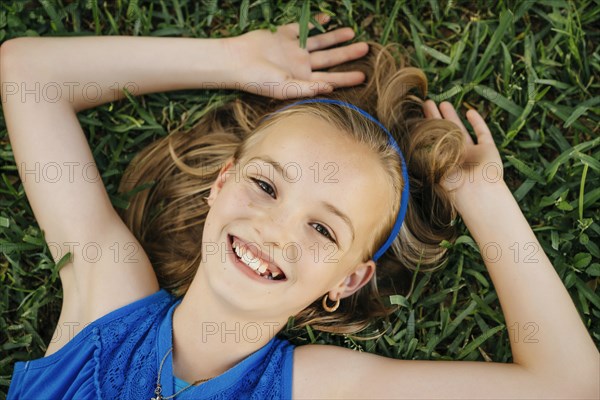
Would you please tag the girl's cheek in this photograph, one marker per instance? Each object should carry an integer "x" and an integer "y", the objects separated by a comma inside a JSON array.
[
  {"x": 247, "y": 197},
  {"x": 237, "y": 196},
  {"x": 241, "y": 201}
]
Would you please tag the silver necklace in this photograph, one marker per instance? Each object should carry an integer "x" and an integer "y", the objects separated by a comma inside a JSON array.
[{"x": 158, "y": 389}]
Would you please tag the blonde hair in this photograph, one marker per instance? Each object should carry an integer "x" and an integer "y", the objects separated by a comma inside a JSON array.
[{"x": 169, "y": 218}]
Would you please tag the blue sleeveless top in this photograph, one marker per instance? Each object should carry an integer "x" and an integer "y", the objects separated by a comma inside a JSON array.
[{"x": 117, "y": 357}]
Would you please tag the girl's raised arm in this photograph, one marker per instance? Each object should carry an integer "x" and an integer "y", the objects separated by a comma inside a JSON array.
[
  {"x": 44, "y": 82},
  {"x": 561, "y": 360}
]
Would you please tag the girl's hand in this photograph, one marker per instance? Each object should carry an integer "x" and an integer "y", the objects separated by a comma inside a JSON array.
[
  {"x": 273, "y": 64},
  {"x": 480, "y": 165}
]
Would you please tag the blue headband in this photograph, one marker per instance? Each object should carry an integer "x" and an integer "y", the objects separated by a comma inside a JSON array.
[{"x": 392, "y": 142}]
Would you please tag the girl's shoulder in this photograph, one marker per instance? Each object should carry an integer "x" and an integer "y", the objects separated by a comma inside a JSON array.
[{"x": 101, "y": 348}]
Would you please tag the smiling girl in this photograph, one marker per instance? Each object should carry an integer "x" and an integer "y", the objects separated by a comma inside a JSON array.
[{"x": 271, "y": 208}]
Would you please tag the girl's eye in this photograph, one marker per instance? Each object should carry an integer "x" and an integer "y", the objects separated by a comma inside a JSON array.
[
  {"x": 265, "y": 187},
  {"x": 271, "y": 192},
  {"x": 323, "y": 231}
]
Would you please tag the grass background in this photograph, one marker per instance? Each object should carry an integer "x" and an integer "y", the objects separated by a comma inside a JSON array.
[{"x": 530, "y": 67}]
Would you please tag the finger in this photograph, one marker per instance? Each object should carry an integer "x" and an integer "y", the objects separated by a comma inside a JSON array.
[
  {"x": 340, "y": 79},
  {"x": 449, "y": 113},
  {"x": 430, "y": 110},
  {"x": 329, "y": 39},
  {"x": 480, "y": 127},
  {"x": 329, "y": 58},
  {"x": 321, "y": 18},
  {"x": 295, "y": 88}
]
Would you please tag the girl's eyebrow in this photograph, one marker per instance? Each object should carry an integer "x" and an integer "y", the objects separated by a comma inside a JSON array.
[
  {"x": 269, "y": 160},
  {"x": 336, "y": 211},
  {"x": 330, "y": 207}
]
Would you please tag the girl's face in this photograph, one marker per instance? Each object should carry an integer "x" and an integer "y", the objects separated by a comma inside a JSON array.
[{"x": 301, "y": 205}]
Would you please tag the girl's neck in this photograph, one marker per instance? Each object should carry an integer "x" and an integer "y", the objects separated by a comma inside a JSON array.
[{"x": 209, "y": 337}]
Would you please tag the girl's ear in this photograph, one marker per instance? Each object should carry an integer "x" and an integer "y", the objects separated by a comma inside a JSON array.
[
  {"x": 360, "y": 277},
  {"x": 220, "y": 181}
]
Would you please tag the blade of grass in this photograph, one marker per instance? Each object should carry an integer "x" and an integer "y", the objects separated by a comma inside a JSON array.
[
  {"x": 479, "y": 341},
  {"x": 506, "y": 18},
  {"x": 498, "y": 100},
  {"x": 304, "y": 18},
  {"x": 391, "y": 21}
]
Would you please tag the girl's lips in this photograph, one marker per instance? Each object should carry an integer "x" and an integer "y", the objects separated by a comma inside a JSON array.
[{"x": 246, "y": 269}]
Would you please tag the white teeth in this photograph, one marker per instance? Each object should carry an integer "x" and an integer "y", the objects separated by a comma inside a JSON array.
[
  {"x": 262, "y": 268},
  {"x": 255, "y": 265},
  {"x": 247, "y": 258}
]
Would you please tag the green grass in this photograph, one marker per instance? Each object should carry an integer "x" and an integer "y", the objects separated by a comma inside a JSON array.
[{"x": 531, "y": 68}]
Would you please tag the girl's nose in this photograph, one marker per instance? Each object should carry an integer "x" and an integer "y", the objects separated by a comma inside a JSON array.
[{"x": 275, "y": 226}]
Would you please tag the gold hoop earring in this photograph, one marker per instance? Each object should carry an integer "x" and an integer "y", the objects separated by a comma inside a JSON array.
[{"x": 326, "y": 307}]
